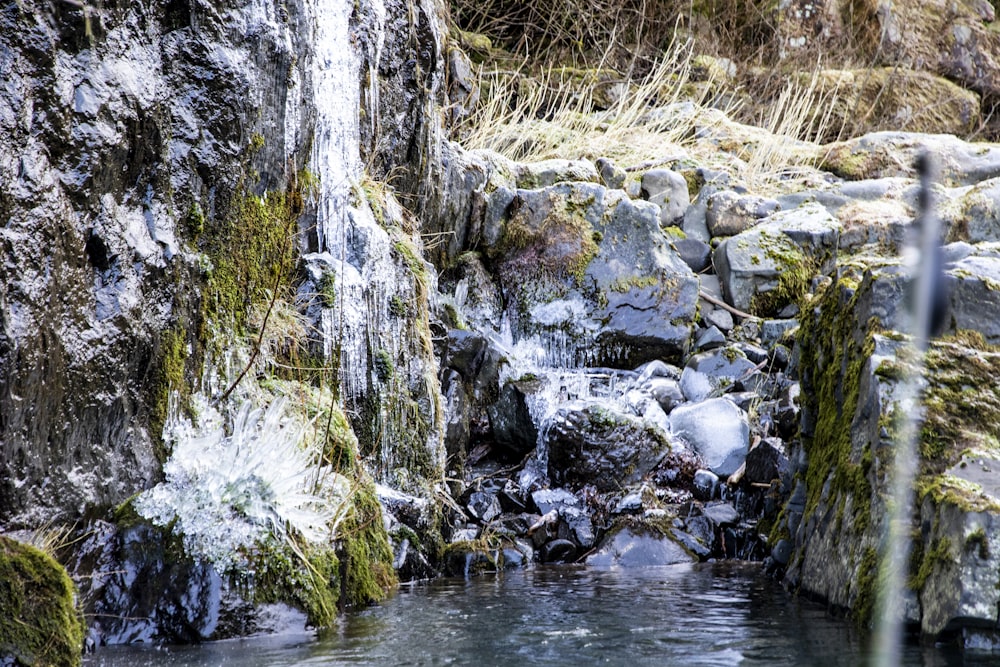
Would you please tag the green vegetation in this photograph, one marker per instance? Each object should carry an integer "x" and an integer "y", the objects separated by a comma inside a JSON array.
[
  {"x": 39, "y": 622},
  {"x": 307, "y": 580},
  {"x": 796, "y": 271},
  {"x": 834, "y": 348},
  {"x": 365, "y": 555},
  {"x": 939, "y": 553},
  {"x": 168, "y": 377}
]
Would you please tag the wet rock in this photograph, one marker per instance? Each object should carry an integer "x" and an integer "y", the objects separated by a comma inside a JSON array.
[
  {"x": 547, "y": 500},
  {"x": 715, "y": 372},
  {"x": 476, "y": 299},
  {"x": 771, "y": 265},
  {"x": 728, "y": 213},
  {"x": 558, "y": 551},
  {"x": 596, "y": 444},
  {"x": 666, "y": 392},
  {"x": 717, "y": 430},
  {"x": 721, "y": 514},
  {"x": 640, "y": 546},
  {"x": 141, "y": 592},
  {"x": 483, "y": 506},
  {"x": 706, "y": 483},
  {"x": 514, "y": 430},
  {"x": 576, "y": 525},
  {"x": 651, "y": 306},
  {"x": 766, "y": 462},
  {"x": 630, "y": 503},
  {"x": 782, "y": 551},
  {"x": 668, "y": 190},
  {"x": 469, "y": 559},
  {"x": 696, "y": 254},
  {"x": 560, "y": 259},
  {"x": 458, "y": 409},
  {"x": 512, "y": 498}
]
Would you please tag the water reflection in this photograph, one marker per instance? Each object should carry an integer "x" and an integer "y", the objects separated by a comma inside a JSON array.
[{"x": 714, "y": 614}]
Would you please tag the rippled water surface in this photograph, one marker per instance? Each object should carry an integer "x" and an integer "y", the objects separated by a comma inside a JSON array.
[{"x": 720, "y": 614}]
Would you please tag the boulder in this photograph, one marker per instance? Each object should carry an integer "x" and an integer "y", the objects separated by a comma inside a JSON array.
[
  {"x": 772, "y": 265},
  {"x": 40, "y": 624},
  {"x": 639, "y": 546},
  {"x": 591, "y": 268},
  {"x": 514, "y": 431},
  {"x": 728, "y": 212},
  {"x": 669, "y": 191},
  {"x": 590, "y": 443},
  {"x": 717, "y": 430}
]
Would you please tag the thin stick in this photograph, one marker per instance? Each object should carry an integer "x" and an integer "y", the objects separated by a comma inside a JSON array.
[{"x": 725, "y": 306}]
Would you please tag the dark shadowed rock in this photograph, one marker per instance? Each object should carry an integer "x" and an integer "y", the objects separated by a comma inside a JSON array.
[
  {"x": 513, "y": 429},
  {"x": 594, "y": 444},
  {"x": 766, "y": 462}
]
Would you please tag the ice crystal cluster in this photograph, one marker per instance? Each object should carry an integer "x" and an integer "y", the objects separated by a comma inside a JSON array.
[{"x": 228, "y": 494}]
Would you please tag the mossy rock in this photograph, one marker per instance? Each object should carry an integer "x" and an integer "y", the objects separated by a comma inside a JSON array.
[
  {"x": 39, "y": 622},
  {"x": 855, "y": 101}
]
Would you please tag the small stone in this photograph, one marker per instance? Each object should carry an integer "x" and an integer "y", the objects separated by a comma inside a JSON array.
[
  {"x": 721, "y": 514},
  {"x": 696, "y": 254},
  {"x": 611, "y": 174},
  {"x": 773, "y": 331},
  {"x": 720, "y": 318},
  {"x": 709, "y": 339},
  {"x": 668, "y": 190},
  {"x": 557, "y": 551},
  {"x": 705, "y": 483},
  {"x": 547, "y": 500}
]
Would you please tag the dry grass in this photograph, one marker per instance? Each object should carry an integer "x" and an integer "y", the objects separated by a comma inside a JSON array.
[
  {"x": 666, "y": 117},
  {"x": 565, "y": 113}
]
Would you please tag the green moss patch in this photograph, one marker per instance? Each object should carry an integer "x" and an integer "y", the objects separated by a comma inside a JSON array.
[
  {"x": 365, "y": 554},
  {"x": 39, "y": 622}
]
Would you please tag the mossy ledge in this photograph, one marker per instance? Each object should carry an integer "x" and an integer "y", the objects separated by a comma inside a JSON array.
[{"x": 39, "y": 622}]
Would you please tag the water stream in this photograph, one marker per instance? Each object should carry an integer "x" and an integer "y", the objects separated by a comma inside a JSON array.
[{"x": 709, "y": 614}]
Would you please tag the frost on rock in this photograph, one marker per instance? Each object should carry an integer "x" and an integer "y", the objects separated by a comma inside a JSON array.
[{"x": 227, "y": 494}]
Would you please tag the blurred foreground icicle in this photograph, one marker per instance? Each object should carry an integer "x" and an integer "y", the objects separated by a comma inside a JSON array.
[
  {"x": 923, "y": 261},
  {"x": 227, "y": 495}
]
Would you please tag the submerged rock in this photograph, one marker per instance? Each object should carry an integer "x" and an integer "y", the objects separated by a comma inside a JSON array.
[{"x": 639, "y": 546}]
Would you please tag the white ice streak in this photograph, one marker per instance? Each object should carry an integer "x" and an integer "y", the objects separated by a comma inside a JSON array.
[{"x": 228, "y": 494}]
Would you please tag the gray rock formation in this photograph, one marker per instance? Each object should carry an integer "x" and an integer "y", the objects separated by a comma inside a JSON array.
[{"x": 717, "y": 430}]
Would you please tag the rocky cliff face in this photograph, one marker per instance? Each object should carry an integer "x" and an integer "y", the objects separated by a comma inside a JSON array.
[{"x": 131, "y": 132}]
